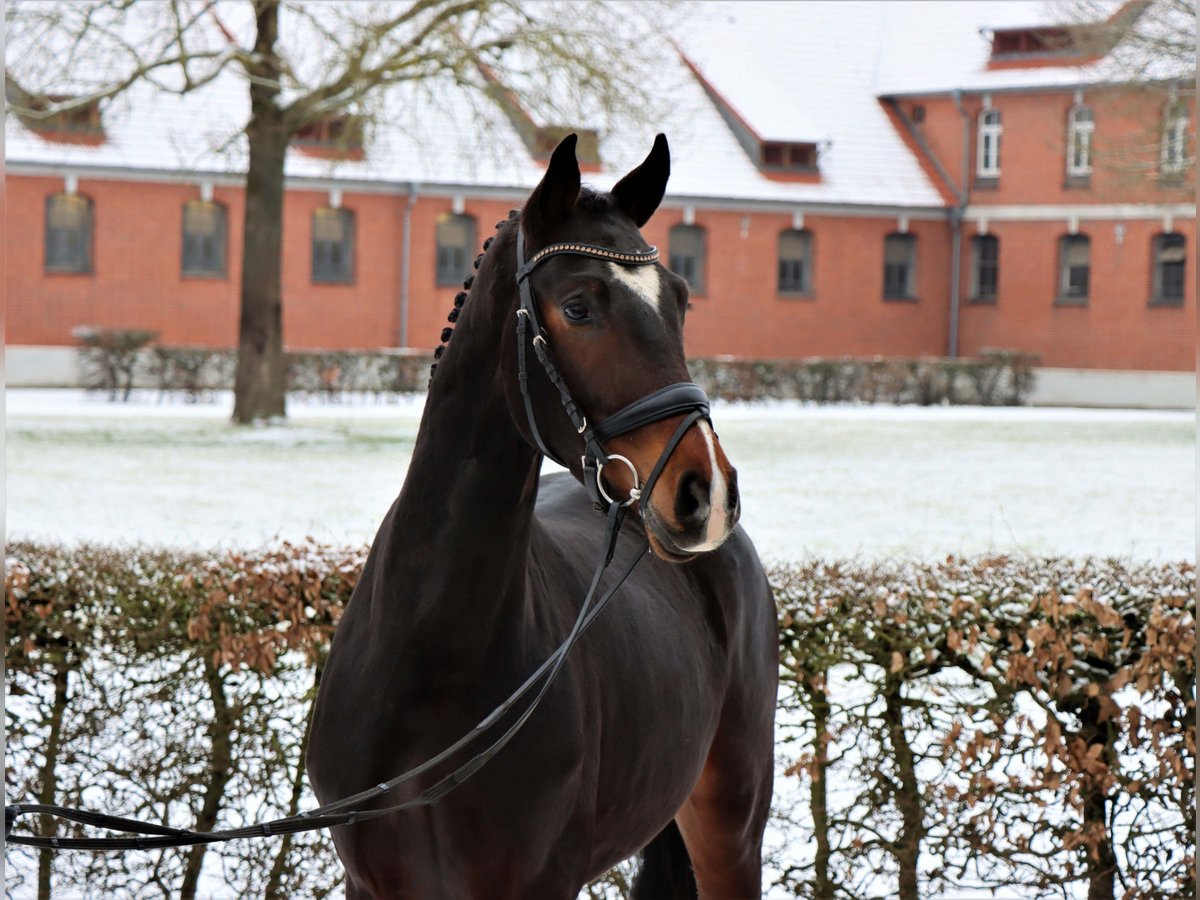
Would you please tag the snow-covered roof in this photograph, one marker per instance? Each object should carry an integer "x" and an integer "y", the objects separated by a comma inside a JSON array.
[
  {"x": 810, "y": 71},
  {"x": 941, "y": 47}
]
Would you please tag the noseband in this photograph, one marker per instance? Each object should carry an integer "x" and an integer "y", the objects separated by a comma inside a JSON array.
[{"x": 682, "y": 398}]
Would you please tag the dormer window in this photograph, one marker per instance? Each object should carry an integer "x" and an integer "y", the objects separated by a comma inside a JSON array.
[
  {"x": 1032, "y": 42},
  {"x": 789, "y": 157},
  {"x": 337, "y": 137},
  {"x": 77, "y": 123},
  {"x": 988, "y": 152},
  {"x": 544, "y": 138}
]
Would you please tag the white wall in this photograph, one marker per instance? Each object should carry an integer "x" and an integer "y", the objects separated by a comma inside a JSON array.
[
  {"x": 40, "y": 367},
  {"x": 1095, "y": 387}
]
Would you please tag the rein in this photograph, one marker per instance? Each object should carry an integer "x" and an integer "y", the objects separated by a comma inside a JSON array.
[{"x": 674, "y": 399}]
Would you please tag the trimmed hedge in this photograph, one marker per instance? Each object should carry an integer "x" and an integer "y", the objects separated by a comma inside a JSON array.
[
  {"x": 116, "y": 361},
  {"x": 1000, "y": 722}
]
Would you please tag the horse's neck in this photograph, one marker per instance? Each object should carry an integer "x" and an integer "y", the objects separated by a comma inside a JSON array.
[{"x": 452, "y": 549}]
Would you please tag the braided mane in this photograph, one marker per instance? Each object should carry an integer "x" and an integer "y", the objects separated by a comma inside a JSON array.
[{"x": 461, "y": 297}]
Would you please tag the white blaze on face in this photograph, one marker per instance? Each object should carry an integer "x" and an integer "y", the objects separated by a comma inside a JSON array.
[
  {"x": 642, "y": 280},
  {"x": 718, "y": 516}
]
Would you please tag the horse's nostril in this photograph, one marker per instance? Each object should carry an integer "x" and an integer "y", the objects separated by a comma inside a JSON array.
[
  {"x": 731, "y": 489},
  {"x": 691, "y": 501}
]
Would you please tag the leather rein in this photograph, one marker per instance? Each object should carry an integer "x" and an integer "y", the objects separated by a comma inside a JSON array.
[{"x": 675, "y": 399}]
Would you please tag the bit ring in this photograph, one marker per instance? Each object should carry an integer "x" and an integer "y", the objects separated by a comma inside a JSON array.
[{"x": 635, "y": 492}]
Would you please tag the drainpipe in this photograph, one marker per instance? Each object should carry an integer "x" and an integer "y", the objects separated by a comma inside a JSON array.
[
  {"x": 956, "y": 223},
  {"x": 405, "y": 258}
]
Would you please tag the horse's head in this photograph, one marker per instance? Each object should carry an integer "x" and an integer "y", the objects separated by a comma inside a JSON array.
[{"x": 614, "y": 331}]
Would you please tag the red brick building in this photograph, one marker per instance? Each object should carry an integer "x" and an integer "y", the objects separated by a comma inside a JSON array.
[{"x": 927, "y": 191}]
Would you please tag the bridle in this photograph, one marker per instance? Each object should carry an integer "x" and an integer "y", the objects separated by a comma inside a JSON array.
[
  {"x": 674, "y": 399},
  {"x": 682, "y": 397}
]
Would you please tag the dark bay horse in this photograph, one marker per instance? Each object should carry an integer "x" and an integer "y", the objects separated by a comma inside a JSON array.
[{"x": 658, "y": 734}]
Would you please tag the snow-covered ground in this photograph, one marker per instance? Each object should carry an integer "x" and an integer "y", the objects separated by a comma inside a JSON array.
[{"x": 816, "y": 481}]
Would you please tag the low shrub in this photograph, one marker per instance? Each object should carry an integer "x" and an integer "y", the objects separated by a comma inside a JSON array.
[
  {"x": 116, "y": 361},
  {"x": 109, "y": 358},
  {"x": 1022, "y": 723},
  {"x": 995, "y": 378}
]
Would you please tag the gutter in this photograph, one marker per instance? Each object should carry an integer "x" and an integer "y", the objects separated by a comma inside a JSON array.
[
  {"x": 405, "y": 264},
  {"x": 956, "y": 220}
]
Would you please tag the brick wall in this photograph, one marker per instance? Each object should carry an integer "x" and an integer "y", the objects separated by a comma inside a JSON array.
[
  {"x": 1033, "y": 168},
  {"x": 1118, "y": 328}
]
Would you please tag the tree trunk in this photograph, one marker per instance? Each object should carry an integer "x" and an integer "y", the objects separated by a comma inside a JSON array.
[
  {"x": 260, "y": 385},
  {"x": 1101, "y": 861},
  {"x": 220, "y": 770},
  {"x": 819, "y": 793},
  {"x": 50, "y": 774},
  {"x": 908, "y": 798}
]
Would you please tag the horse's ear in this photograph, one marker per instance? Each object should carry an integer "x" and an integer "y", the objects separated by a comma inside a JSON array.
[
  {"x": 640, "y": 192},
  {"x": 554, "y": 197}
]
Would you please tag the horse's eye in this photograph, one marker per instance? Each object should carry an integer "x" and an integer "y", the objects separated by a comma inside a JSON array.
[{"x": 577, "y": 312}]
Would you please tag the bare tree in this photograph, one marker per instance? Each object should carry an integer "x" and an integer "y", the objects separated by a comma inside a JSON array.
[
  {"x": 304, "y": 63},
  {"x": 1150, "y": 46}
]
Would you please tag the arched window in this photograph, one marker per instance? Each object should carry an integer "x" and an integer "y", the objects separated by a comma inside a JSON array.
[
  {"x": 985, "y": 268},
  {"x": 1174, "y": 138},
  {"x": 1169, "y": 266},
  {"x": 899, "y": 267},
  {"x": 686, "y": 255},
  {"x": 333, "y": 246},
  {"x": 795, "y": 262},
  {"x": 988, "y": 153},
  {"x": 455, "y": 242},
  {"x": 1080, "y": 125},
  {"x": 203, "y": 238},
  {"x": 1074, "y": 268},
  {"x": 68, "y": 233}
]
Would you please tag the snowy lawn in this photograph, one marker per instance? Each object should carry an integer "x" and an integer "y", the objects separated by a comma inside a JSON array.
[{"x": 816, "y": 481}]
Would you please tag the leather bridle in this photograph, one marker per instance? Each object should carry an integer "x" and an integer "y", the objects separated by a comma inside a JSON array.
[
  {"x": 674, "y": 399},
  {"x": 682, "y": 397}
]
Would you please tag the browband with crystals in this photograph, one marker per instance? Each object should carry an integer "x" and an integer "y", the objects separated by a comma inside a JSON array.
[{"x": 625, "y": 258}]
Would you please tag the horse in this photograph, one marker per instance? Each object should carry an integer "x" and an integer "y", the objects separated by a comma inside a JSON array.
[{"x": 657, "y": 737}]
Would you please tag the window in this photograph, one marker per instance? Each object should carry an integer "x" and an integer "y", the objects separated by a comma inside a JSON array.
[
  {"x": 985, "y": 270},
  {"x": 1174, "y": 140},
  {"x": 332, "y": 137},
  {"x": 1008, "y": 42},
  {"x": 1080, "y": 126},
  {"x": 455, "y": 241},
  {"x": 795, "y": 262},
  {"x": 687, "y": 255},
  {"x": 333, "y": 245},
  {"x": 203, "y": 238},
  {"x": 81, "y": 121},
  {"x": 899, "y": 267},
  {"x": 68, "y": 233},
  {"x": 1075, "y": 264},
  {"x": 988, "y": 154},
  {"x": 798, "y": 157},
  {"x": 1170, "y": 260}
]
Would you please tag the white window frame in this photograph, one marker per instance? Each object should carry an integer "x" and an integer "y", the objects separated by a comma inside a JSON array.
[
  {"x": 1174, "y": 141},
  {"x": 1079, "y": 132},
  {"x": 991, "y": 127}
]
